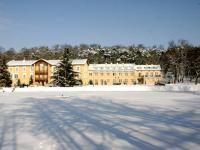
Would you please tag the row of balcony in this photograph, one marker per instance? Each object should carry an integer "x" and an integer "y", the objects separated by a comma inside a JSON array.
[{"x": 42, "y": 72}]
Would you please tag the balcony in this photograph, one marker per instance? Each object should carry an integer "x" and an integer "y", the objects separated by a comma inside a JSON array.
[{"x": 41, "y": 72}]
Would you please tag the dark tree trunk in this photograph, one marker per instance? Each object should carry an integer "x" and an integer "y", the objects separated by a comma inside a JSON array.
[{"x": 196, "y": 80}]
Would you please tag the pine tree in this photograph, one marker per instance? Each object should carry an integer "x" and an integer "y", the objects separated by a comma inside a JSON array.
[
  {"x": 5, "y": 77},
  {"x": 64, "y": 74},
  {"x": 31, "y": 80},
  {"x": 19, "y": 83}
]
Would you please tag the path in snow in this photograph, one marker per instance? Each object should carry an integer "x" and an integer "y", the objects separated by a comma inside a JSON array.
[{"x": 99, "y": 120}]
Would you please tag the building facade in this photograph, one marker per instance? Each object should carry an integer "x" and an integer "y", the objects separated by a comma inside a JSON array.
[{"x": 41, "y": 72}]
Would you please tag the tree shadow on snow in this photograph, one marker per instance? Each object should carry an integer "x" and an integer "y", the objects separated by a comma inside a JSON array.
[
  {"x": 96, "y": 123},
  {"x": 8, "y": 126}
]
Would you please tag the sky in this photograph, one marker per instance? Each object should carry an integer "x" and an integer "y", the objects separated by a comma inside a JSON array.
[{"x": 29, "y": 23}]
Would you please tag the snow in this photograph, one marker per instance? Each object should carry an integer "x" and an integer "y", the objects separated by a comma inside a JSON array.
[
  {"x": 35, "y": 118},
  {"x": 168, "y": 87}
]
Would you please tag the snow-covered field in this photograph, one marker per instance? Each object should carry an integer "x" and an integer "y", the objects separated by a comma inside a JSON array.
[
  {"x": 90, "y": 120},
  {"x": 167, "y": 87}
]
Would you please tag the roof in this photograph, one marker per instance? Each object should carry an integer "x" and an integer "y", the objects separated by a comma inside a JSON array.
[
  {"x": 122, "y": 67},
  {"x": 52, "y": 62},
  {"x": 79, "y": 61},
  {"x": 21, "y": 62},
  {"x": 147, "y": 67},
  {"x": 111, "y": 67}
]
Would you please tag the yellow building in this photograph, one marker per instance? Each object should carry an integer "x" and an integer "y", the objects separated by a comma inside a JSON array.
[
  {"x": 41, "y": 71},
  {"x": 126, "y": 74}
]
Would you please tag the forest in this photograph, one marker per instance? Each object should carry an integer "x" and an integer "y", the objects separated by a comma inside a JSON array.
[{"x": 180, "y": 58}]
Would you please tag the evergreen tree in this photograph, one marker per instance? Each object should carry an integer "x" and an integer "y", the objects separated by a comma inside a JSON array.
[
  {"x": 31, "y": 80},
  {"x": 5, "y": 77},
  {"x": 64, "y": 75},
  {"x": 19, "y": 83}
]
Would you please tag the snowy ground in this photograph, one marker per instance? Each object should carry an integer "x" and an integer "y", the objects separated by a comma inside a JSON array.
[
  {"x": 99, "y": 120},
  {"x": 167, "y": 87}
]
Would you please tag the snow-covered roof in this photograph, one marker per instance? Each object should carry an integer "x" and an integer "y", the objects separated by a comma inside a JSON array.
[
  {"x": 79, "y": 61},
  {"x": 122, "y": 67},
  {"x": 21, "y": 62},
  {"x": 111, "y": 67},
  {"x": 52, "y": 62},
  {"x": 147, "y": 67}
]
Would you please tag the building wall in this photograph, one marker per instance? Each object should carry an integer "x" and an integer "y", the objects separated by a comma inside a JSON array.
[
  {"x": 149, "y": 77},
  {"x": 21, "y": 72},
  {"x": 125, "y": 78},
  {"x": 82, "y": 72},
  {"x": 88, "y": 76},
  {"x": 110, "y": 77}
]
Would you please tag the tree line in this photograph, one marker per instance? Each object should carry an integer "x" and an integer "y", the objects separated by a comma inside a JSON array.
[{"x": 180, "y": 58}]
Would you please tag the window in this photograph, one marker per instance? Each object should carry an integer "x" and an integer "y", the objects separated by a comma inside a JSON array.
[
  {"x": 151, "y": 74},
  {"x": 114, "y": 74},
  {"x": 16, "y": 76},
  {"x": 24, "y": 76},
  {"x": 101, "y": 82},
  {"x": 24, "y": 69},
  {"x": 10, "y": 69},
  {"x": 90, "y": 74},
  {"x": 120, "y": 74},
  {"x": 120, "y": 80},
  {"x": 157, "y": 75},
  {"x": 147, "y": 74},
  {"x": 126, "y": 74},
  {"x": 132, "y": 74},
  {"x": 108, "y": 74},
  {"x": 96, "y": 74},
  {"x": 101, "y": 74},
  {"x": 90, "y": 82},
  {"x": 125, "y": 81},
  {"x": 78, "y": 68},
  {"x": 96, "y": 82},
  {"x": 16, "y": 69},
  {"x": 140, "y": 75},
  {"x": 41, "y": 76},
  {"x": 41, "y": 65}
]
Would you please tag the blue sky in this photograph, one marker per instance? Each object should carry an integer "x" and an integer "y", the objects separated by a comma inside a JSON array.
[{"x": 28, "y": 23}]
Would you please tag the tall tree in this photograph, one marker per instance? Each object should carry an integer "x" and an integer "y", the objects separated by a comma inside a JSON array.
[
  {"x": 5, "y": 77},
  {"x": 64, "y": 74},
  {"x": 193, "y": 57},
  {"x": 31, "y": 80}
]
